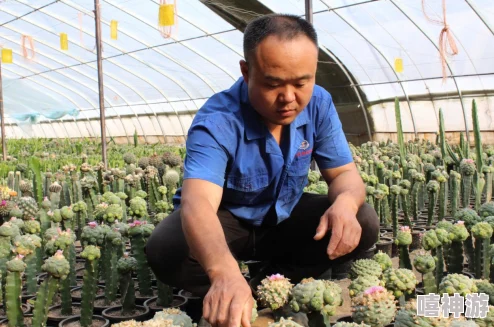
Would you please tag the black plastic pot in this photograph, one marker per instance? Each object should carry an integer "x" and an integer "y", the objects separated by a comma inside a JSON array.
[
  {"x": 65, "y": 322},
  {"x": 385, "y": 245},
  {"x": 179, "y": 302},
  {"x": 112, "y": 315},
  {"x": 53, "y": 320}
]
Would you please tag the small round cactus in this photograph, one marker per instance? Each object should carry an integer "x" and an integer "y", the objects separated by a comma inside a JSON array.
[
  {"x": 482, "y": 230},
  {"x": 404, "y": 236},
  {"x": 457, "y": 283},
  {"x": 312, "y": 295},
  {"x": 383, "y": 259},
  {"x": 179, "y": 317},
  {"x": 400, "y": 281},
  {"x": 57, "y": 265},
  {"x": 375, "y": 307},
  {"x": 361, "y": 283},
  {"x": 407, "y": 317},
  {"x": 424, "y": 263},
  {"x": 284, "y": 323},
  {"x": 274, "y": 291},
  {"x": 430, "y": 240},
  {"x": 365, "y": 267},
  {"x": 349, "y": 324}
]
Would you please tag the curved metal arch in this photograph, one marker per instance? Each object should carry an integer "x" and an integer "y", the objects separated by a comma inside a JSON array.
[
  {"x": 447, "y": 63},
  {"x": 94, "y": 107},
  {"x": 137, "y": 59},
  {"x": 49, "y": 88},
  {"x": 385, "y": 59},
  {"x": 75, "y": 80}
]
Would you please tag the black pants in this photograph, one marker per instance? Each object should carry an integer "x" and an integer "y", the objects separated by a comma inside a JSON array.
[{"x": 289, "y": 247}]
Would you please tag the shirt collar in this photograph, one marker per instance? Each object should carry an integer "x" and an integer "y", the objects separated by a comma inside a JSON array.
[{"x": 254, "y": 127}]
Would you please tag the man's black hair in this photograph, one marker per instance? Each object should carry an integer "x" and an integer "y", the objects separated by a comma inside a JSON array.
[{"x": 284, "y": 26}]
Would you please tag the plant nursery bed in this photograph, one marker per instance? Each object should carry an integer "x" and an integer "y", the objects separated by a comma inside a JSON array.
[
  {"x": 56, "y": 313},
  {"x": 101, "y": 303}
]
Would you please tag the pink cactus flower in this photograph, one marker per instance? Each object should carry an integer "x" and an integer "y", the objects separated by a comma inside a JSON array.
[
  {"x": 4, "y": 203},
  {"x": 405, "y": 228},
  {"x": 460, "y": 222},
  {"x": 19, "y": 257},
  {"x": 92, "y": 224},
  {"x": 276, "y": 277},
  {"x": 374, "y": 289},
  {"x": 137, "y": 223}
]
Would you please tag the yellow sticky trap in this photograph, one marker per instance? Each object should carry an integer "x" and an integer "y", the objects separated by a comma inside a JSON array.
[
  {"x": 7, "y": 56},
  {"x": 167, "y": 15},
  {"x": 64, "y": 41},
  {"x": 399, "y": 65},
  {"x": 114, "y": 29}
]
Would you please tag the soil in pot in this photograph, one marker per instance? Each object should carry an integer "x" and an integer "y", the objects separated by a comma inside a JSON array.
[
  {"x": 76, "y": 292},
  {"x": 74, "y": 321},
  {"x": 55, "y": 313},
  {"x": 100, "y": 305},
  {"x": 26, "y": 309},
  {"x": 140, "y": 299},
  {"x": 178, "y": 301},
  {"x": 115, "y": 315}
]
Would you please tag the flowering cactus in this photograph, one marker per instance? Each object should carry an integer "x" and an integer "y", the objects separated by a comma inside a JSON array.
[
  {"x": 403, "y": 240},
  {"x": 274, "y": 291},
  {"x": 375, "y": 307}
]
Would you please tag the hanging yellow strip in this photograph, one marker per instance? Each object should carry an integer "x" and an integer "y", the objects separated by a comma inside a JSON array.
[
  {"x": 64, "y": 41},
  {"x": 399, "y": 65},
  {"x": 7, "y": 56},
  {"x": 167, "y": 15},
  {"x": 114, "y": 29}
]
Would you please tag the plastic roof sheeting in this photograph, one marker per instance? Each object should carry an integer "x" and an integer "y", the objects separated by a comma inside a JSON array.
[{"x": 147, "y": 75}]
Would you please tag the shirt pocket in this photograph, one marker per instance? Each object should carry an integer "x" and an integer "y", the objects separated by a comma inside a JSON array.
[
  {"x": 245, "y": 189},
  {"x": 296, "y": 180}
]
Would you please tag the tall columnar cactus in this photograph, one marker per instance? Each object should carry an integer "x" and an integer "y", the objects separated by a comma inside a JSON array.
[
  {"x": 65, "y": 242},
  {"x": 113, "y": 247},
  {"x": 418, "y": 181},
  {"x": 444, "y": 238},
  {"x": 379, "y": 196},
  {"x": 455, "y": 178},
  {"x": 91, "y": 254},
  {"x": 425, "y": 264},
  {"x": 126, "y": 265},
  {"x": 401, "y": 140},
  {"x": 442, "y": 179},
  {"x": 479, "y": 187},
  {"x": 385, "y": 212},
  {"x": 395, "y": 193},
  {"x": 432, "y": 190},
  {"x": 319, "y": 299},
  {"x": 26, "y": 245},
  {"x": 458, "y": 234},
  {"x": 469, "y": 218},
  {"x": 467, "y": 169},
  {"x": 57, "y": 268},
  {"x": 403, "y": 240},
  {"x": 375, "y": 307},
  {"x": 139, "y": 233},
  {"x": 80, "y": 210},
  {"x": 369, "y": 198},
  {"x": 274, "y": 291},
  {"x": 15, "y": 270},
  {"x": 404, "y": 195},
  {"x": 487, "y": 170},
  {"x": 482, "y": 232}
]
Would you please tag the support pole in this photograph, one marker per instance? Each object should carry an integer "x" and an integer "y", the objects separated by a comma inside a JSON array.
[
  {"x": 2, "y": 117},
  {"x": 100, "y": 82},
  {"x": 308, "y": 11}
]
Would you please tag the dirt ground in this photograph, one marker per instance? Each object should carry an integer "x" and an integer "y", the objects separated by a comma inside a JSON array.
[{"x": 265, "y": 316}]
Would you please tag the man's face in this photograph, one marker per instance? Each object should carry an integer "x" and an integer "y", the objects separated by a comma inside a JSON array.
[{"x": 281, "y": 78}]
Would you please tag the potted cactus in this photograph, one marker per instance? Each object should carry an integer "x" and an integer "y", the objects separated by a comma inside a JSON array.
[
  {"x": 274, "y": 292},
  {"x": 425, "y": 264},
  {"x": 482, "y": 232},
  {"x": 375, "y": 307}
]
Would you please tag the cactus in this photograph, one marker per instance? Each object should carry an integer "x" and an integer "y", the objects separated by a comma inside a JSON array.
[
  {"x": 443, "y": 196},
  {"x": 470, "y": 218},
  {"x": 419, "y": 180},
  {"x": 361, "y": 283},
  {"x": 274, "y": 291},
  {"x": 65, "y": 242},
  {"x": 177, "y": 316},
  {"x": 80, "y": 211},
  {"x": 404, "y": 191},
  {"x": 487, "y": 170},
  {"x": 15, "y": 269},
  {"x": 432, "y": 189},
  {"x": 113, "y": 242},
  {"x": 400, "y": 281},
  {"x": 138, "y": 208},
  {"x": 365, "y": 267},
  {"x": 91, "y": 254},
  {"x": 458, "y": 234},
  {"x": 26, "y": 245},
  {"x": 395, "y": 193},
  {"x": 486, "y": 210},
  {"x": 482, "y": 232},
  {"x": 126, "y": 265},
  {"x": 403, "y": 240},
  {"x": 139, "y": 233},
  {"x": 407, "y": 317},
  {"x": 457, "y": 283},
  {"x": 455, "y": 194},
  {"x": 484, "y": 286},
  {"x": 401, "y": 141},
  {"x": 383, "y": 259},
  {"x": 57, "y": 268},
  {"x": 349, "y": 324},
  {"x": 317, "y": 298},
  {"x": 28, "y": 206},
  {"x": 467, "y": 169},
  {"x": 375, "y": 307},
  {"x": 487, "y": 321},
  {"x": 425, "y": 264}
]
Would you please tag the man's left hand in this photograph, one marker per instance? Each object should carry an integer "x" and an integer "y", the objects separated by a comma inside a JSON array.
[{"x": 341, "y": 219}]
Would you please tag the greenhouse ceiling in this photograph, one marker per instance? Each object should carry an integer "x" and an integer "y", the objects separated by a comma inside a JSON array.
[{"x": 155, "y": 78}]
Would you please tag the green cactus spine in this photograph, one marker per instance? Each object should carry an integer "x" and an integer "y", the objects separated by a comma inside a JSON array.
[
  {"x": 126, "y": 265},
  {"x": 57, "y": 268},
  {"x": 15, "y": 269},
  {"x": 139, "y": 232},
  {"x": 92, "y": 255},
  {"x": 482, "y": 232}
]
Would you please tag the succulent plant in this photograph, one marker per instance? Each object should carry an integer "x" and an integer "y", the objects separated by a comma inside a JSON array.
[
  {"x": 361, "y": 283},
  {"x": 487, "y": 321},
  {"x": 313, "y": 295},
  {"x": 482, "y": 232},
  {"x": 274, "y": 291},
  {"x": 365, "y": 267},
  {"x": 179, "y": 317},
  {"x": 284, "y": 323},
  {"x": 426, "y": 265},
  {"x": 457, "y": 234},
  {"x": 400, "y": 281},
  {"x": 407, "y": 317},
  {"x": 457, "y": 283},
  {"x": 383, "y": 259},
  {"x": 484, "y": 286},
  {"x": 403, "y": 240},
  {"x": 375, "y": 307}
]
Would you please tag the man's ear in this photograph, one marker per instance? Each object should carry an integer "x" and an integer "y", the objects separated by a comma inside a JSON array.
[{"x": 244, "y": 68}]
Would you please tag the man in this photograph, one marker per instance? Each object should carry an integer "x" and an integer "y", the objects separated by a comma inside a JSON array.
[{"x": 249, "y": 151}]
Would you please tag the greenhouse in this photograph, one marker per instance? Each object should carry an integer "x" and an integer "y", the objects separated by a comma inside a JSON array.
[{"x": 140, "y": 187}]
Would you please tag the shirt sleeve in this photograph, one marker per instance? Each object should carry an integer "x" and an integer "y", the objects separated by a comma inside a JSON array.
[
  {"x": 331, "y": 149},
  {"x": 207, "y": 154}
]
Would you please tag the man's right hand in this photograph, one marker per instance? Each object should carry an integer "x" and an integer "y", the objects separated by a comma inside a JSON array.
[{"x": 229, "y": 301}]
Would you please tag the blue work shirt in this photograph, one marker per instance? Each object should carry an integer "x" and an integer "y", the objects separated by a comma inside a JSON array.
[{"x": 230, "y": 146}]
